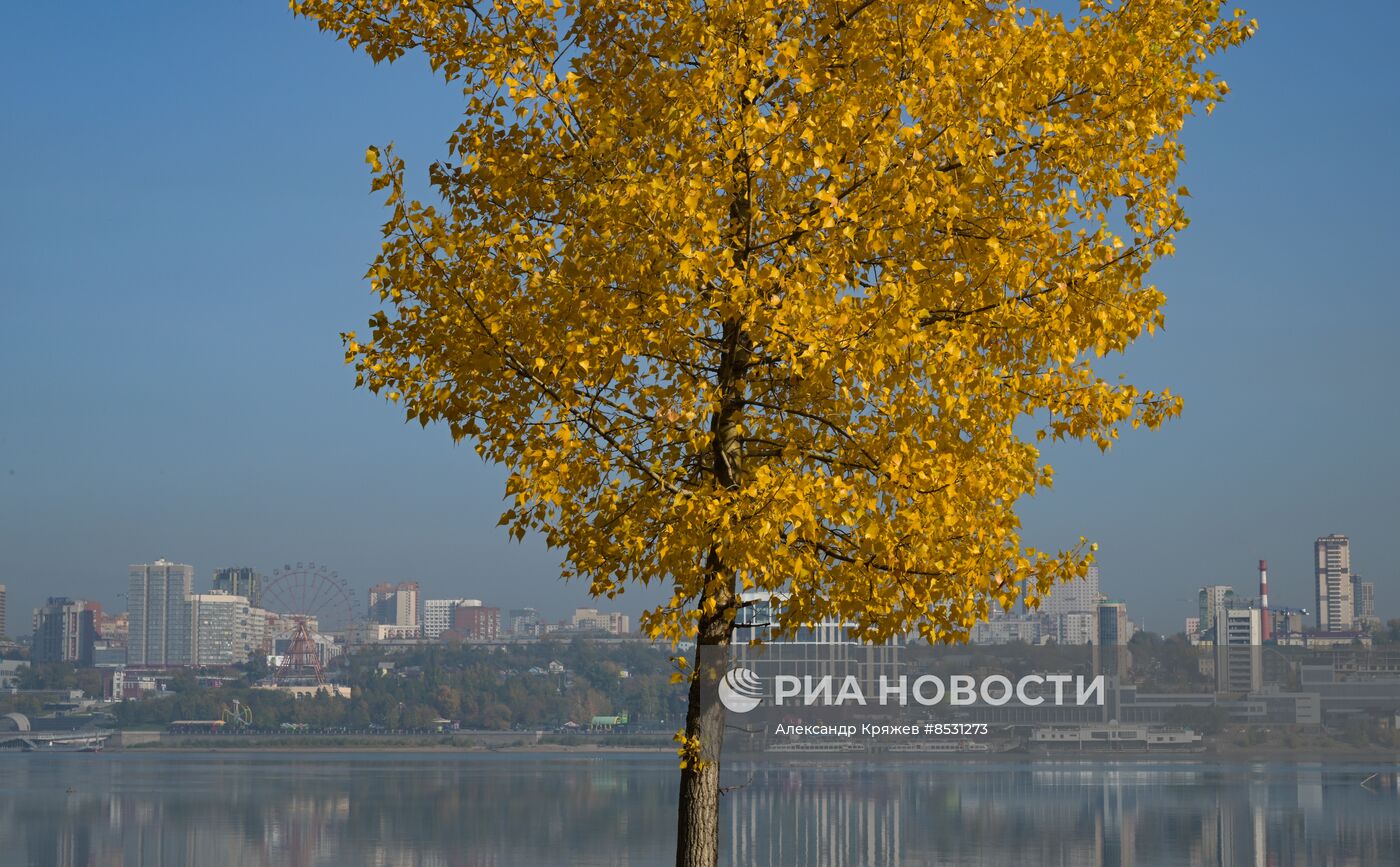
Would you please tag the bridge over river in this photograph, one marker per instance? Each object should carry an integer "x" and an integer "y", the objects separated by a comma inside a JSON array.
[{"x": 16, "y": 733}]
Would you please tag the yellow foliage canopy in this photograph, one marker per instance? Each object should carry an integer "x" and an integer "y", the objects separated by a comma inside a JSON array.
[{"x": 758, "y": 295}]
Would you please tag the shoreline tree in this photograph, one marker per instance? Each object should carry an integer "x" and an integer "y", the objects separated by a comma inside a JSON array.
[{"x": 782, "y": 296}]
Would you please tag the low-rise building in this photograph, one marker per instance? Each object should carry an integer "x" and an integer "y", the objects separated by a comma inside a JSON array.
[
  {"x": 1075, "y": 628},
  {"x": 108, "y": 653},
  {"x": 129, "y": 684},
  {"x": 1006, "y": 630},
  {"x": 10, "y": 672},
  {"x": 1193, "y": 628},
  {"x": 1273, "y": 706},
  {"x": 592, "y": 619},
  {"x": 1114, "y": 736},
  {"x": 375, "y": 633},
  {"x": 1324, "y": 640}
]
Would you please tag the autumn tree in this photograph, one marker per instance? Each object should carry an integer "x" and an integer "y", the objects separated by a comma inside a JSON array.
[{"x": 782, "y": 296}]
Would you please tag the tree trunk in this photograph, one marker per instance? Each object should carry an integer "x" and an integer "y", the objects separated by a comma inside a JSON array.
[
  {"x": 697, "y": 814},
  {"x": 697, "y": 827}
]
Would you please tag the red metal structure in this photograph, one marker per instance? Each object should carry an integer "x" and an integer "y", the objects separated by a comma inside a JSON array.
[{"x": 315, "y": 620}]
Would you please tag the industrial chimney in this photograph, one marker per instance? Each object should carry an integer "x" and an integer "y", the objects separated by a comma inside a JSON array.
[{"x": 1265, "y": 622}]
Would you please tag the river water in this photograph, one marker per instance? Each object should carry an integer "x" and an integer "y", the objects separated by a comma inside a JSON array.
[{"x": 400, "y": 809}]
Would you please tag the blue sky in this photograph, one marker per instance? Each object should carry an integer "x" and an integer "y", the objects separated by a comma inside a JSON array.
[{"x": 186, "y": 220}]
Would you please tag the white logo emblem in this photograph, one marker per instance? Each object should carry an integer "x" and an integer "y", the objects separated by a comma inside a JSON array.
[{"x": 741, "y": 690}]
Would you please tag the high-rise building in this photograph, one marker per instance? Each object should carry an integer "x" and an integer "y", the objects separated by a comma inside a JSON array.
[
  {"x": 64, "y": 631},
  {"x": 2, "y": 609},
  {"x": 1112, "y": 630},
  {"x": 158, "y": 627},
  {"x": 477, "y": 622},
  {"x": 1210, "y": 600},
  {"x": 1336, "y": 605},
  {"x": 240, "y": 581},
  {"x": 1240, "y": 627},
  {"x": 394, "y": 604},
  {"x": 826, "y": 648},
  {"x": 1239, "y": 635},
  {"x": 1364, "y": 596},
  {"x": 524, "y": 621},
  {"x": 1073, "y": 597},
  {"x": 437, "y": 615},
  {"x": 224, "y": 629}
]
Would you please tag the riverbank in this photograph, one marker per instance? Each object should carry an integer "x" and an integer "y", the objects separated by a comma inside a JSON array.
[
  {"x": 663, "y": 746},
  {"x": 362, "y": 748},
  {"x": 471, "y": 742}
]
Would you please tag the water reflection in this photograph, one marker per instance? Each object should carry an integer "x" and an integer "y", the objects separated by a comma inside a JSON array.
[
  {"x": 1199, "y": 815},
  {"x": 446, "y": 810},
  {"x": 405, "y": 810}
]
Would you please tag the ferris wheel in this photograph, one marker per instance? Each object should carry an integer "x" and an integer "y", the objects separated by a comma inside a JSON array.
[{"x": 313, "y": 611}]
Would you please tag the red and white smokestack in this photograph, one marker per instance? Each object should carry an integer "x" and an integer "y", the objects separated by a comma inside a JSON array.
[{"x": 1265, "y": 626}]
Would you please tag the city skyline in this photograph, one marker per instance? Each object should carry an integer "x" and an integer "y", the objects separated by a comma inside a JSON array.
[
  {"x": 404, "y": 603},
  {"x": 175, "y": 446},
  {"x": 1298, "y": 588}
]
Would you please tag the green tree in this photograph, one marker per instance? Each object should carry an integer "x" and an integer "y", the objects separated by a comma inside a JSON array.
[
  {"x": 183, "y": 681},
  {"x": 48, "y": 675},
  {"x": 782, "y": 296},
  {"x": 255, "y": 669}
]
